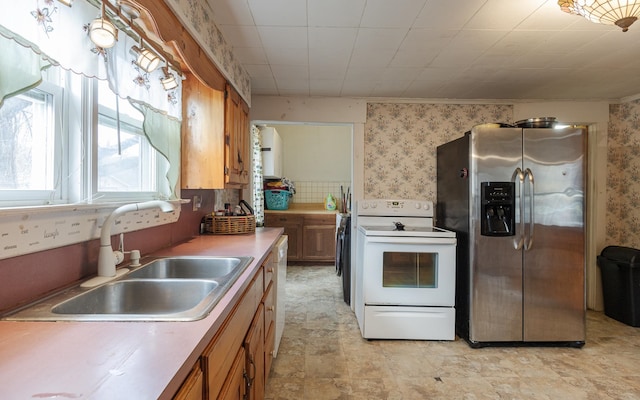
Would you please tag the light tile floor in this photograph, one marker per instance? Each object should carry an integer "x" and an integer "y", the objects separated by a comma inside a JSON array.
[{"x": 322, "y": 356}]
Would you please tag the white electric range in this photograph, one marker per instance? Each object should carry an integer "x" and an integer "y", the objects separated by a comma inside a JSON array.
[{"x": 405, "y": 272}]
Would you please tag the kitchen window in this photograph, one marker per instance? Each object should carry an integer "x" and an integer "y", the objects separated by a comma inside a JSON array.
[
  {"x": 30, "y": 147},
  {"x": 71, "y": 120},
  {"x": 126, "y": 166}
]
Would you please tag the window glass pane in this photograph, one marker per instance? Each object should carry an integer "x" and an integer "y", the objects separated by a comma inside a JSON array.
[
  {"x": 128, "y": 171},
  {"x": 409, "y": 270},
  {"x": 27, "y": 142},
  {"x": 126, "y": 161}
]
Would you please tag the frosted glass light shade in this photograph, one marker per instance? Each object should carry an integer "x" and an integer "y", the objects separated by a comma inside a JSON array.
[
  {"x": 103, "y": 33},
  {"x": 168, "y": 81},
  {"x": 622, "y": 13},
  {"x": 145, "y": 58}
]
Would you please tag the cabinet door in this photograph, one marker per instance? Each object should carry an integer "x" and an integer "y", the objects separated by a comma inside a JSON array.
[
  {"x": 192, "y": 388},
  {"x": 202, "y": 136},
  {"x": 235, "y": 386},
  {"x": 292, "y": 224},
  {"x": 221, "y": 352},
  {"x": 237, "y": 163},
  {"x": 254, "y": 347},
  {"x": 319, "y": 242}
]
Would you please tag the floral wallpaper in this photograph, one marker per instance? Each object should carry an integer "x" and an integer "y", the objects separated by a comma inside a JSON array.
[
  {"x": 197, "y": 17},
  {"x": 256, "y": 157},
  {"x": 400, "y": 143},
  {"x": 623, "y": 175}
]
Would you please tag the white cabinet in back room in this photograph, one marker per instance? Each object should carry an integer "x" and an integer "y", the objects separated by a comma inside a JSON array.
[{"x": 271, "y": 153}]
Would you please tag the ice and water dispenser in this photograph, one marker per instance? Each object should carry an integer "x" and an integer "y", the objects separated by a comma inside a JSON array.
[{"x": 498, "y": 208}]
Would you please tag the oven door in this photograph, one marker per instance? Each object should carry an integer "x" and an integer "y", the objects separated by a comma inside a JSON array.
[{"x": 411, "y": 271}]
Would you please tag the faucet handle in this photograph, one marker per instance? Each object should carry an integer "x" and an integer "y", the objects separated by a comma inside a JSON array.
[{"x": 118, "y": 256}]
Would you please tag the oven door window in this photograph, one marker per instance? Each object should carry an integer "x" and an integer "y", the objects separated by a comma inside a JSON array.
[{"x": 409, "y": 270}]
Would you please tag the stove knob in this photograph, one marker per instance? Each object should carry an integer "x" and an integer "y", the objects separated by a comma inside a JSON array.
[
  {"x": 418, "y": 206},
  {"x": 365, "y": 206},
  {"x": 427, "y": 207},
  {"x": 374, "y": 205}
]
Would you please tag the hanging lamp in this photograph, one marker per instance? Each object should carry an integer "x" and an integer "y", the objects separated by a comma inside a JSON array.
[
  {"x": 102, "y": 32},
  {"x": 622, "y": 13}
]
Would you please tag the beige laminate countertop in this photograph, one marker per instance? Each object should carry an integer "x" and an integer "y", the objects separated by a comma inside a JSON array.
[
  {"x": 121, "y": 360},
  {"x": 303, "y": 208}
]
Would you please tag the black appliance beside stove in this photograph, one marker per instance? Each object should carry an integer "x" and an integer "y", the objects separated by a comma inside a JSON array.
[{"x": 343, "y": 255}]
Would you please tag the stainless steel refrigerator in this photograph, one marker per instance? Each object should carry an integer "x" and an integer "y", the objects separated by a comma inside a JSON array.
[{"x": 515, "y": 197}]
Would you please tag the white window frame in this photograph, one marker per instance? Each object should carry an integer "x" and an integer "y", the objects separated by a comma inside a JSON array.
[
  {"x": 58, "y": 193},
  {"x": 75, "y": 149},
  {"x": 156, "y": 173}
]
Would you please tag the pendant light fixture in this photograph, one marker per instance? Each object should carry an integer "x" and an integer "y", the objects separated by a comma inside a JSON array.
[
  {"x": 168, "y": 80},
  {"x": 102, "y": 32},
  {"x": 622, "y": 13},
  {"x": 145, "y": 58}
]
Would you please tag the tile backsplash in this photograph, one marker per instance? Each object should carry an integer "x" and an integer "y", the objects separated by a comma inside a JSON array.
[{"x": 316, "y": 192}]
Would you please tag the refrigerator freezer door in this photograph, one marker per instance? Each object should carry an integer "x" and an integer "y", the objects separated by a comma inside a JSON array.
[
  {"x": 496, "y": 263},
  {"x": 554, "y": 295}
]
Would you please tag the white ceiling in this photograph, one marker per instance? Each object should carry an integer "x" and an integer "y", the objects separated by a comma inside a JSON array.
[{"x": 434, "y": 49}]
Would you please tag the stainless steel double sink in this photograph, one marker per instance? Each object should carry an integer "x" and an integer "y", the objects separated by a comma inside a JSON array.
[{"x": 164, "y": 289}]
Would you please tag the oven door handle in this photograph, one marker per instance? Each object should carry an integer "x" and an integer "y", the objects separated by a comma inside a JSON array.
[{"x": 411, "y": 240}]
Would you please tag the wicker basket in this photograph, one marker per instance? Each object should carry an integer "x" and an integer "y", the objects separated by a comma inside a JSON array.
[{"x": 222, "y": 225}]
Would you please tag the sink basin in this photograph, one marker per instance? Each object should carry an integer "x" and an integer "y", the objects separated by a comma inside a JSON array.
[
  {"x": 164, "y": 289},
  {"x": 190, "y": 268},
  {"x": 144, "y": 297}
]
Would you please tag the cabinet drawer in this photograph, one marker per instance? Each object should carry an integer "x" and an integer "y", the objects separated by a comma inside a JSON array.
[
  {"x": 269, "y": 269},
  {"x": 269, "y": 344},
  {"x": 277, "y": 219},
  {"x": 320, "y": 219},
  {"x": 269, "y": 305}
]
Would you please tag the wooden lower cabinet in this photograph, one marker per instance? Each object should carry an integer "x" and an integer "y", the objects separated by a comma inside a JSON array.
[
  {"x": 193, "y": 386},
  {"x": 254, "y": 348},
  {"x": 235, "y": 386},
  {"x": 233, "y": 365},
  {"x": 312, "y": 237},
  {"x": 292, "y": 224},
  {"x": 319, "y": 237}
]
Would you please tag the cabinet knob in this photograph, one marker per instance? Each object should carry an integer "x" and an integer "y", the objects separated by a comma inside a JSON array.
[
  {"x": 269, "y": 269},
  {"x": 271, "y": 308}
]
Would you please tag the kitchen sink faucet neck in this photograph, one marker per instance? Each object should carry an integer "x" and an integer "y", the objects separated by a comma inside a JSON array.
[{"x": 106, "y": 257}]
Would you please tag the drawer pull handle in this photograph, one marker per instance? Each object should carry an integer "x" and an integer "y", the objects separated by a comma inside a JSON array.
[{"x": 271, "y": 308}]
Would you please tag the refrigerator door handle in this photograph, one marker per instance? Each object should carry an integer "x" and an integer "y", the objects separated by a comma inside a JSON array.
[
  {"x": 529, "y": 174},
  {"x": 518, "y": 240}
]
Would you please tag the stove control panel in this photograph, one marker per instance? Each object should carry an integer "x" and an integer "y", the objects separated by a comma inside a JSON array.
[{"x": 384, "y": 207}]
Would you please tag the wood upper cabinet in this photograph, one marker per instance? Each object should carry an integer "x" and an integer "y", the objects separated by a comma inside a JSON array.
[
  {"x": 236, "y": 130},
  {"x": 215, "y": 137},
  {"x": 202, "y": 135}
]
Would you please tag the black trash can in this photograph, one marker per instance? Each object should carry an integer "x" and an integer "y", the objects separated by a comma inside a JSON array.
[{"x": 620, "y": 271}]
